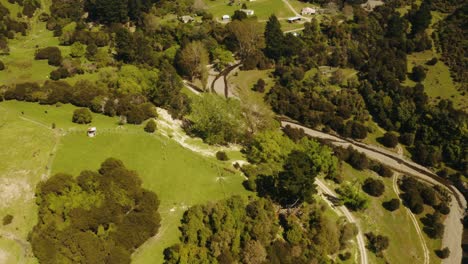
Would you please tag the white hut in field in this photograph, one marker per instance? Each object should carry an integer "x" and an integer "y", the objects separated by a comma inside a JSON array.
[
  {"x": 91, "y": 132},
  {"x": 308, "y": 11},
  {"x": 294, "y": 19},
  {"x": 226, "y": 17},
  {"x": 248, "y": 12}
]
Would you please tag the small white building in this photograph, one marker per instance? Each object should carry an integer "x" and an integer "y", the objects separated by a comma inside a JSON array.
[
  {"x": 294, "y": 19},
  {"x": 248, "y": 12},
  {"x": 91, "y": 132},
  {"x": 308, "y": 11},
  {"x": 226, "y": 17}
]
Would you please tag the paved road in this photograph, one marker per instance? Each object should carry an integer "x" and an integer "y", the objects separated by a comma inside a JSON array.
[
  {"x": 453, "y": 226},
  {"x": 360, "y": 238}
]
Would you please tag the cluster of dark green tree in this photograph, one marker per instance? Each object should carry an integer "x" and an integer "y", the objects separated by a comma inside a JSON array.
[
  {"x": 449, "y": 36},
  {"x": 239, "y": 231},
  {"x": 28, "y": 6},
  {"x": 417, "y": 194},
  {"x": 376, "y": 44},
  {"x": 360, "y": 161},
  {"x": 285, "y": 171},
  {"x": 8, "y": 28},
  {"x": 132, "y": 92},
  {"x": 97, "y": 217},
  {"x": 310, "y": 100}
]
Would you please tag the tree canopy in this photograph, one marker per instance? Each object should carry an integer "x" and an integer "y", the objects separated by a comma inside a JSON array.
[{"x": 97, "y": 217}]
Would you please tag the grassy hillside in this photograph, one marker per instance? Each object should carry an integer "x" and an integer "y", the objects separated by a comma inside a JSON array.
[{"x": 179, "y": 176}]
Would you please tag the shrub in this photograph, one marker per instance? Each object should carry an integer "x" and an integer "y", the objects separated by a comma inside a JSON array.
[
  {"x": 295, "y": 134},
  {"x": 77, "y": 50},
  {"x": 221, "y": 155},
  {"x": 82, "y": 116},
  {"x": 391, "y": 205},
  {"x": 407, "y": 139},
  {"x": 443, "y": 208},
  {"x": 389, "y": 140},
  {"x": 52, "y": 54},
  {"x": 432, "y": 61},
  {"x": 344, "y": 256},
  {"x": 384, "y": 171},
  {"x": 2, "y": 66},
  {"x": 150, "y": 126},
  {"x": 373, "y": 187},
  {"x": 259, "y": 86},
  {"x": 7, "y": 219},
  {"x": 443, "y": 253},
  {"x": 418, "y": 74},
  {"x": 377, "y": 243}
]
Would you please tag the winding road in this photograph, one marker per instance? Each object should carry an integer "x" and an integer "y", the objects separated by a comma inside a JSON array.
[{"x": 453, "y": 226}]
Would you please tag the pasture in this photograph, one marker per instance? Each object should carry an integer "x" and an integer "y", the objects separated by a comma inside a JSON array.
[
  {"x": 180, "y": 176},
  {"x": 262, "y": 8}
]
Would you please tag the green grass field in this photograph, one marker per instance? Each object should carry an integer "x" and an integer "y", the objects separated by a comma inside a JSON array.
[
  {"x": 396, "y": 225},
  {"x": 438, "y": 83},
  {"x": 179, "y": 176},
  {"x": 262, "y": 8}
]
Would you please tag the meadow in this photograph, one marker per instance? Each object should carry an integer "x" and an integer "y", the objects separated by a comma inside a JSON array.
[
  {"x": 262, "y": 8},
  {"x": 179, "y": 176}
]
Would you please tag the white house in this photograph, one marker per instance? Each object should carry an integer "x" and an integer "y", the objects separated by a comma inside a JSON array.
[
  {"x": 308, "y": 11},
  {"x": 248, "y": 12},
  {"x": 226, "y": 17},
  {"x": 91, "y": 132},
  {"x": 294, "y": 19}
]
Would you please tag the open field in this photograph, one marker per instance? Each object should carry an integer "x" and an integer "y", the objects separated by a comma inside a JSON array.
[
  {"x": 20, "y": 64},
  {"x": 262, "y": 8},
  {"x": 438, "y": 83},
  {"x": 396, "y": 225},
  {"x": 178, "y": 175}
]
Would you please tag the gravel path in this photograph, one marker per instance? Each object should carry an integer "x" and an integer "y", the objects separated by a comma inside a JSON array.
[{"x": 343, "y": 210}]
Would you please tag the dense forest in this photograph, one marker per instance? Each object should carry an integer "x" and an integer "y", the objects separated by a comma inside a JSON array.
[
  {"x": 97, "y": 217},
  {"x": 236, "y": 231}
]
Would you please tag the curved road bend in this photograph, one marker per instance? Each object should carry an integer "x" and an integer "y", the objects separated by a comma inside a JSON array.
[{"x": 454, "y": 228}]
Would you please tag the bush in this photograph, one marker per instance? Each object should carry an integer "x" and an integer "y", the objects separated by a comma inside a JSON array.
[
  {"x": 259, "y": 86},
  {"x": 418, "y": 74},
  {"x": 295, "y": 134},
  {"x": 7, "y": 219},
  {"x": 2, "y": 66},
  {"x": 407, "y": 139},
  {"x": 150, "y": 126},
  {"x": 443, "y": 208},
  {"x": 82, "y": 116},
  {"x": 221, "y": 155},
  {"x": 384, "y": 171},
  {"x": 389, "y": 140},
  {"x": 52, "y": 54},
  {"x": 377, "y": 243},
  {"x": 344, "y": 256},
  {"x": 391, "y": 205},
  {"x": 432, "y": 61},
  {"x": 373, "y": 187},
  {"x": 443, "y": 253}
]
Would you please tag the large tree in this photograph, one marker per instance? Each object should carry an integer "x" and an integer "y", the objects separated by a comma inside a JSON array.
[
  {"x": 217, "y": 120},
  {"x": 274, "y": 38},
  {"x": 193, "y": 60}
]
